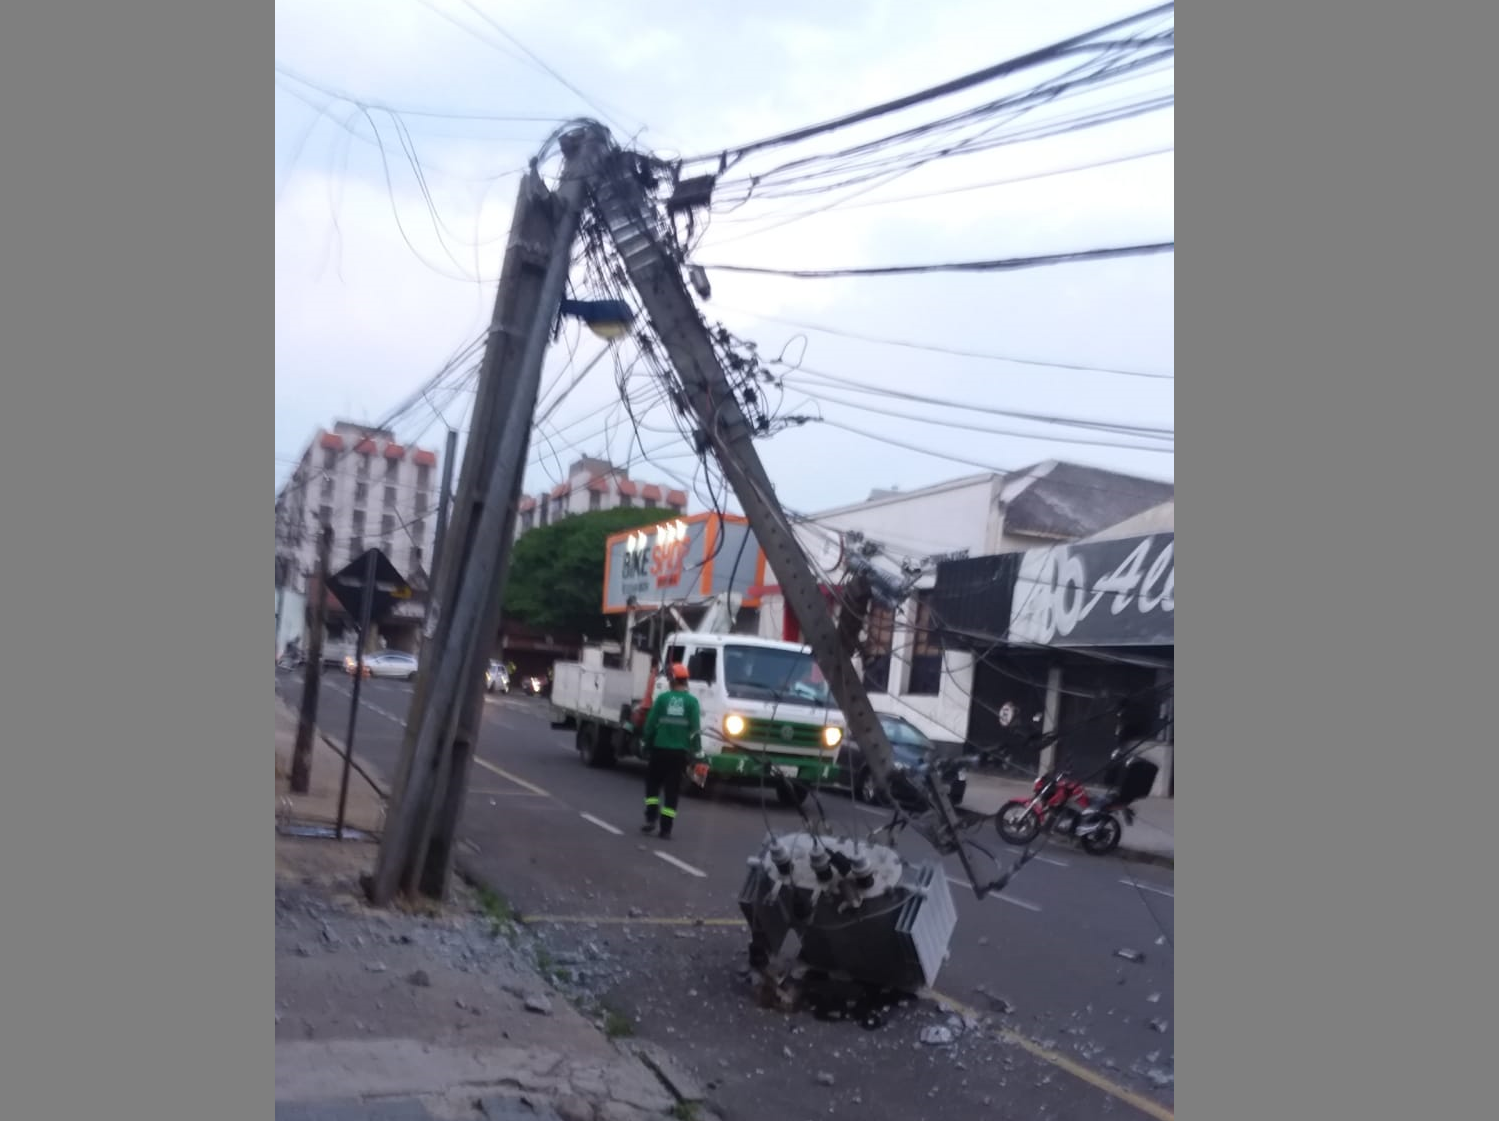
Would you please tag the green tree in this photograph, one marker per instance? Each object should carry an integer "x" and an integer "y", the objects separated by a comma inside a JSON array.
[{"x": 557, "y": 571}]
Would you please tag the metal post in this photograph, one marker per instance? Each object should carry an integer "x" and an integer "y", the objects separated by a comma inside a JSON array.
[
  {"x": 475, "y": 567},
  {"x": 365, "y": 603},
  {"x": 444, "y": 499},
  {"x": 312, "y": 673}
]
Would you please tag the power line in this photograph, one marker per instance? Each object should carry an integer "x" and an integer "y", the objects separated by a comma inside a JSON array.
[
  {"x": 937, "y": 348},
  {"x": 1041, "y": 437},
  {"x": 998, "y": 265},
  {"x": 1122, "y": 428},
  {"x": 988, "y": 74},
  {"x": 408, "y": 111}
]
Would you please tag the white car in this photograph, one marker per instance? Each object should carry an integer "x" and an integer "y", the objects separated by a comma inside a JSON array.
[{"x": 390, "y": 663}]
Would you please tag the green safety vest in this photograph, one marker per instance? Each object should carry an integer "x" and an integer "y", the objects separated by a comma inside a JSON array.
[{"x": 675, "y": 723}]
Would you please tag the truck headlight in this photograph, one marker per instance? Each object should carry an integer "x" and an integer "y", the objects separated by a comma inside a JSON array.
[
  {"x": 733, "y": 724},
  {"x": 832, "y": 737}
]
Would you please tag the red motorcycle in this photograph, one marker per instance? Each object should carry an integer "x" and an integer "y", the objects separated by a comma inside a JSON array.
[{"x": 1062, "y": 806}]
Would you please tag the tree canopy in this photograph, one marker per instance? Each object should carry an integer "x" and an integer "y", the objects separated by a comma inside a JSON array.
[{"x": 557, "y": 571}]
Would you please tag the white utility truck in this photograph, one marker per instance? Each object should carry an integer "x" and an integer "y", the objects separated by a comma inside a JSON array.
[{"x": 766, "y": 710}]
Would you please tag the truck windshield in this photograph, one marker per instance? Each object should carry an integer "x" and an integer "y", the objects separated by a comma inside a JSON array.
[{"x": 760, "y": 673}]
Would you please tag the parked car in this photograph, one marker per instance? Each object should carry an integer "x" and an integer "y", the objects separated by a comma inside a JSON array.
[
  {"x": 535, "y": 686},
  {"x": 389, "y": 663},
  {"x": 914, "y": 754},
  {"x": 496, "y": 679}
]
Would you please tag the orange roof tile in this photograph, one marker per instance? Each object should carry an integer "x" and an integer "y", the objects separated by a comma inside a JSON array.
[
  {"x": 677, "y": 498},
  {"x": 628, "y": 489},
  {"x": 424, "y": 458},
  {"x": 394, "y": 451},
  {"x": 332, "y": 440},
  {"x": 651, "y": 492}
]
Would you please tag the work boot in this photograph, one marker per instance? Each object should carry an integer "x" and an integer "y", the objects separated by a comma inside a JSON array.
[{"x": 648, "y": 827}]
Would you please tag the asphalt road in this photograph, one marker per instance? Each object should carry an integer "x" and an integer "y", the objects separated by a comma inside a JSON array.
[{"x": 1076, "y": 1031}]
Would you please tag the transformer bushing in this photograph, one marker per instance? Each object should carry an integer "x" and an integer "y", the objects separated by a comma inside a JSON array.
[{"x": 857, "y": 909}]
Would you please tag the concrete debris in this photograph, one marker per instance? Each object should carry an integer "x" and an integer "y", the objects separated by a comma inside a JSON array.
[
  {"x": 825, "y": 1079},
  {"x": 1158, "y": 1078},
  {"x": 1153, "y": 998},
  {"x": 1161, "y": 941},
  {"x": 375, "y": 966},
  {"x": 539, "y": 1004},
  {"x": 936, "y": 1035},
  {"x": 1159, "y": 1026},
  {"x": 420, "y": 979},
  {"x": 1130, "y": 955}
]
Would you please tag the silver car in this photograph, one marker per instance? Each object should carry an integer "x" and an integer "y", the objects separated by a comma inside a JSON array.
[{"x": 390, "y": 663}]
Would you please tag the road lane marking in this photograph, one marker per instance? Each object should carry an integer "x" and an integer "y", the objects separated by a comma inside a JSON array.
[
  {"x": 1062, "y": 1062},
  {"x": 503, "y": 793},
  {"x": 1147, "y": 887},
  {"x": 604, "y": 825},
  {"x": 1055, "y": 863},
  {"x": 682, "y": 864},
  {"x": 1001, "y": 896},
  {"x": 508, "y": 777},
  {"x": 616, "y": 920}
]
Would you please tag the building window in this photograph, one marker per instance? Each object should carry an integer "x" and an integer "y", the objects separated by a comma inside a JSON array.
[
  {"x": 625, "y": 502},
  {"x": 879, "y": 634},
  {"x": 423, "y": 475},
  {"x": 325, "y": 515},
  {"x": 546, "y": 509},
  {"x": 327, "y": 486},
  {"x": 421, "y": 502},
  {"x": 364, "y": 466},
  {"x": 356, "y": 546},
  {"x": 526, "y": 519},
  {"x": 418, "y": 529},
  {"x": 390, "y": 496},
  {"x": 387, "y": 525},
  {"x": 674, "y": 508},
  {"x": 392, "y": 469},
  {"x": 361, "y": 492},
  {"x": 416, "y": 557},
  {"x": 595, "y": 500},
  {"x": 926, "y": 654},
  {"x": 330, "y": 458},
  {"x": 359, "y": 521}
]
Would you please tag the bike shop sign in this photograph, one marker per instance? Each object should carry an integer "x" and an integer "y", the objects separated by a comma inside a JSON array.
[{"x": 1097, "y": 593}]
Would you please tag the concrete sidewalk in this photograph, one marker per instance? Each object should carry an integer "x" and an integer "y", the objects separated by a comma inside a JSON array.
[
  {"x": 1149, "y": 840},
  {"x": 402, "y": 1016}
]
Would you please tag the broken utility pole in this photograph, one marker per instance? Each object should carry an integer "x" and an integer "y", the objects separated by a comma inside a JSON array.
[
  {"x": 464, "y": 613},
  {"x": 312, "y": 674},
  {"x": 711, "y": 398}
]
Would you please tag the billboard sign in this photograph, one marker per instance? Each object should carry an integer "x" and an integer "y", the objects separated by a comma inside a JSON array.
[
  {"x": 684, "y": 561},
  {"x": 1097, "y": 593}
]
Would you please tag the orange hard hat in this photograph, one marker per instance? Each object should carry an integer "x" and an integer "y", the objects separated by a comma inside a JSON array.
[{"x": 678, "y": 672}]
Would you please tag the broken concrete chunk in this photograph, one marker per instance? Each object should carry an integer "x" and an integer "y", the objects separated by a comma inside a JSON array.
[
  {"x": 936, "y": 1035},
  {"x": 825, "y": 1079},
  {"x": 419, "y": 979},
  {"x": 1130, "y": 955},
  {"x": 538, "y": 1004}
]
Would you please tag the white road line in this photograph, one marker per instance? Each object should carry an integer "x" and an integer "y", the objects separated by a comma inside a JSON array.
[
  {"x": 604, "y": 825},
  {"x": 1001, "y": 896},
  {"x": 682, "y": 864},
  {"x": 1147, "y": 887},
  {"x": 1052, "y": 861}
]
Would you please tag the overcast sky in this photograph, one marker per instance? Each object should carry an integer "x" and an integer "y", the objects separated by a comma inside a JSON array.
[{"x": 374, "y": 292}]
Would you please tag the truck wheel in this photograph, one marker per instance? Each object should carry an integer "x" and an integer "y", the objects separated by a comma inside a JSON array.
[{"x": 594, "y": 748}]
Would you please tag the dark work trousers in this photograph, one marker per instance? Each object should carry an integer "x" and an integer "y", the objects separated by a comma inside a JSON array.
[{"x": 663, "y": 785}]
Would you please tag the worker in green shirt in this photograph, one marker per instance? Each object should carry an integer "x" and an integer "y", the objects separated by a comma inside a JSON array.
[{"x": 672, "y": 737}]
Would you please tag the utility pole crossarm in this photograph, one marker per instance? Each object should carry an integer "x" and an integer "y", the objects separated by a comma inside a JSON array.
[{"x": 710, "y": 396}]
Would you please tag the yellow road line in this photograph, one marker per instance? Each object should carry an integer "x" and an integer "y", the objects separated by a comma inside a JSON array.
[
  {"x": 533, "y": 788},
  {"x": 1062, "y": 1062},
  {"x": 615, "y": 920}
]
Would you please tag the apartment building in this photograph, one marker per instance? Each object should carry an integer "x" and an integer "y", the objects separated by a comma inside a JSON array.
[
  {"x": 372, "y": 490},
  {"x": 594, "y": 484}
]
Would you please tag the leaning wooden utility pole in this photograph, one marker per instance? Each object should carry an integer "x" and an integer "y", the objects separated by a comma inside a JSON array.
[
  {"x": 443, "y": 721},
  {"x": 708, "y": 394},
  {"x": 312, "y": 674}
]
